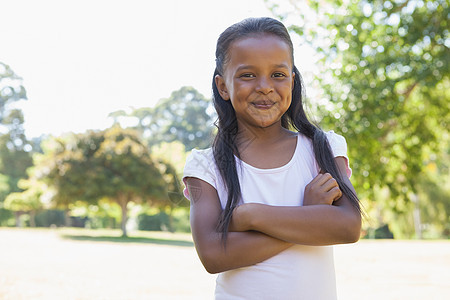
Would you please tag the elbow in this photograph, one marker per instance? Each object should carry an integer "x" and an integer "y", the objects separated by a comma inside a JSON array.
[
  {"x": 211, "y": 267},
  {"x": 212, "y": 270},
  {"x": 210, "y": 262},
  {"x": 352, "y": 230},
  {"x": 353, "y": 237}
]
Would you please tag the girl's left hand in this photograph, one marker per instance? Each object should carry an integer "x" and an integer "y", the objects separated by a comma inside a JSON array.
[{"x": 323, "y": 189}]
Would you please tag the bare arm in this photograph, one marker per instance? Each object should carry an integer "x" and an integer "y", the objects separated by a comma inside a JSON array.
[
  {"x": 242, "y": 248},
  {"x": 318, "y": 224}
]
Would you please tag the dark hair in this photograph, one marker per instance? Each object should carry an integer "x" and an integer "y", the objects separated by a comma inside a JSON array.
[{"x": 225, "y": 146}]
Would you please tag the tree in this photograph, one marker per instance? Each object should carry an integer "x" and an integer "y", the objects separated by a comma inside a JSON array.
[
  {"x": 172, "y": 157},
  {"x": 15, "y": 155},
  {"x": 28, "y": 201},
  {"x": 185, "y": 116},
  {"x": 384, "y": 74},
  {"x": 11, "y": 89},
  {"x": 112, "y": 165}
]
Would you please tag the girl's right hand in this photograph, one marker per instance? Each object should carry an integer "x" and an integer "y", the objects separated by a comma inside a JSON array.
[
  {"x": 323, "y": 189},
  {"x": 239, "y": 218}
]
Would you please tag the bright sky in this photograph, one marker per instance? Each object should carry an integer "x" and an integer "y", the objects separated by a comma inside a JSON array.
[{"x": 81, "y": 60}]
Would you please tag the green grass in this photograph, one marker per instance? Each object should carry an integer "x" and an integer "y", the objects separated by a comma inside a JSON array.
[
  {"x": 115, "y": 236},
  {"x": 145, "y": 240}
]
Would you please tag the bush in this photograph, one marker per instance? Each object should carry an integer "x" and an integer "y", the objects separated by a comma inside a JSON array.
[
  {"x": 181, "y": 221},
  {"x": 383, "y": 232},
  {"x": 161, "y": 221},
  {"x": 6, "y": 217},
  {"x": 156, "y": 222},
  {"x": 52, "y": 217},
  {"x": 97, "y": 222}
]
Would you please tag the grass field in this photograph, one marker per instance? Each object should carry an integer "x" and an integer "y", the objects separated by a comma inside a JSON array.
[{"x": 42, "y": 264}]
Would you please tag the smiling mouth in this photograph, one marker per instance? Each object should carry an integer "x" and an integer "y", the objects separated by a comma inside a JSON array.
[{"x": 263, "y": 104}]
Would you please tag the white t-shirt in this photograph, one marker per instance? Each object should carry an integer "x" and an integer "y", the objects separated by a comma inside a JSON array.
[{"x": 300, "y": 272}]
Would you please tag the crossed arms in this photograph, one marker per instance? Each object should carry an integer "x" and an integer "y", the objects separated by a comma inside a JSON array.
[{"x": 258, "y": 232}]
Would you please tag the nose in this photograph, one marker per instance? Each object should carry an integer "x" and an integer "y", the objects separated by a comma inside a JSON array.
[{"x": 264, "y": 85}]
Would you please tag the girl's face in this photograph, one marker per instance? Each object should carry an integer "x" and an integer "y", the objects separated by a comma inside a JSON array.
[{"x": 258, "y": 80}]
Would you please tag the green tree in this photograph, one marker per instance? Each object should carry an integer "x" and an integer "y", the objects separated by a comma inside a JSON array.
[
  {"x": 11, "y": 89},
  {"x": 15, "y": 155},
  {"x": 28, "y": 201},
  {"x": 384, "y": 73},
  {"x": 186, "y": 116},
  {"x": 112, "y": 165},
  {"x": 172, "y": 157}
]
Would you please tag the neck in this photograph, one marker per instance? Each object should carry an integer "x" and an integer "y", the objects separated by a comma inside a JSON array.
[{"x": 257, "y": 136}]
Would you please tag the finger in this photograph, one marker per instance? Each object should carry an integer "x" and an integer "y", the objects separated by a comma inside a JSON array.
[
  {"x": 324, "y": 178},
  {"x": 335, "y": 193},
  {"x": 316, "y": 179},
  {"x": 329, "y": 184}
]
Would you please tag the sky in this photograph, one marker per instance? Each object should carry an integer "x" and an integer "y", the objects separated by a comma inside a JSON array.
[{"x": 81, "y": 60}]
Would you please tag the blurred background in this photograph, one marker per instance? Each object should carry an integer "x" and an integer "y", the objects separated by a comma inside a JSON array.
[{"x": 101, "y": 102}]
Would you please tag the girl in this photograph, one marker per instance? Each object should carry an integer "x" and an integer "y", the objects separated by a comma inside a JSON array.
[{"x": 273, "y": 190}]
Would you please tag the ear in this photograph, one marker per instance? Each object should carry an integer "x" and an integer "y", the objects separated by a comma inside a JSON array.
[
  {"x": 221, "y": 87},
  {"x": 293, "y": 80}
]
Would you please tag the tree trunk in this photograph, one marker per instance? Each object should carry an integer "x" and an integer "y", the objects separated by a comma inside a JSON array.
[
  {"x": 32, "y": 218},
  {"x": 67, "y": 220},
  {"x": 171, "y": 227},
  {"x": 416, "y": 215},
  {"x": 112, "y": 222},
  {"x": 123, "y": 205},
  {"x": 17, "y": 215}
]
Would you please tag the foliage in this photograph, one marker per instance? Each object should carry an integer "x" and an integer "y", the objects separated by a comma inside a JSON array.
[
  {"x": 153, "y": 222},
  {"x": 434, "y": 193},
  {"x": 29, "y": 199},
  {"x": 173, "y": 152},
  {"x": 384, "y": 73},
  {"x": 162, "y": 221},
  {"x": 172, "y": 157},
  {"x": 103, "y": 214},
  {"x": 50, "y": 217},
  {"x": 11, "y": 90},
  {"x": 383, "y": 232},
  {"x": 15, "y": 155},
  {"x": 185, "y": 116},
  {"x": 6, "y": 217},
  {"x": 111, "y": 165},
  {"x": 4, "y": 186}
]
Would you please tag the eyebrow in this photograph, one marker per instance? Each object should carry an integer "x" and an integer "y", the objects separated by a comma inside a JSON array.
[{"x": 243, "y": 67}]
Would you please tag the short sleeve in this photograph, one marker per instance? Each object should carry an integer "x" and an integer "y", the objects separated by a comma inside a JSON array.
[
  {"x": 339, "y": 147},
  {"x": 199, "y": 164}
]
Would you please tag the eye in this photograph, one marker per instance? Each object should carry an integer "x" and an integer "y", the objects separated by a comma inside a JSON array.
[
  {"x": 247, "y": 75},
  {"x": 278, "y": 74}
]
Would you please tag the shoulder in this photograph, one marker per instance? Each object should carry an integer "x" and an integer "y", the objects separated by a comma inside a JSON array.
[
  {"x": 198, "y": 158},
  {"x": 338, "y": 145},
  {"x": 200, "y": 164},
  {"x": 336, "y": 140},
  {"x": 199, "y": 161}
]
